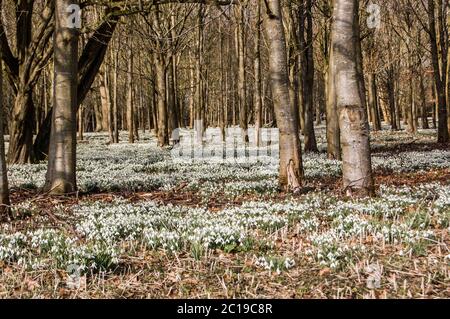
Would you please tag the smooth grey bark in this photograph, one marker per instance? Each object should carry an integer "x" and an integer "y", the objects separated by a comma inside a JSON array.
[
  {"x": 346, "y": 71},
  {"x": 61, "y": 174},
  {"x": 291, "y": 166}
]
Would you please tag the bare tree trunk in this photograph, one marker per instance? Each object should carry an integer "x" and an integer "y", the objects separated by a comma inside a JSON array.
[
  {"x": 258, "y": 83},
  {"x": 4, "y": 188},
  {"x": 223, "y": 92},
  {"x": 308, "y": 83},
  {"x": 423, "y": 100},
  {"x": 373, "y": 102},
  {"x": 243, "y": 121},
  {"x": 81, "y": 122},
  {"x": 105, "y": 100},
  {"x": 410, "y": 114},
  {"x": 115, "y": 96},
  {"x": 390, "y": 88},
  {"x": 291, "y": 168},
  {"x": 163, "y": 138},
  {"x": 348, "y": 82},
  {"x": 61, "y": 173},
  {"x": 439, "y": 61},
  {"x": 333, "y": 133},
  {"x": 130, "y": 105},
  {"x": 199, "y": 97}
]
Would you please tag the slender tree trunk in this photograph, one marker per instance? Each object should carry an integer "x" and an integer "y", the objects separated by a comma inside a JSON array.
[
  {"x": 373, "y": 102},
  {"x": 243, "y": 120},
  {"x": 349, "y": 89},
  {"x": 4, "y": 188},
  {"x": 104, "y": 92},
  {"x": 333, "y": 133},
  {"x": 308, "y": 84},
  {"x": 61, "y": 174},
  {"x": 115, "y": 97},
  {"x": 199, "y": 118},
  {"x": 163, "y": 138},
  {"x": 223, "y": 92},
  {"x": 390, "y": 88},
  {"x": 81, "y": 123},
  {"x": 423, "y": 102},
  {"x": 258, "y": 83},
  {"x": 130, "y": 102},
  {"x": 291, "y": 169}
]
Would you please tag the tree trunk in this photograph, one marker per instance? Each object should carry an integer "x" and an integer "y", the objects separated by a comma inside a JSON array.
[
  {"x": 61, "y": 173},
  {"x": 130, "y": 103},
  {"x": 423, "y": 106},
  {"x": 258, "y": 83},
  {"x": 348, "y": 84},
  {"x": 439, "y": 61},
  {"x": 308, "y": 83},
  {"x": 373, "y": 102},
  {"x": 21, "y": 136},
  {"x": 243, "y": 121},
  {"x": 88, "y": 66},
  {"x": 163, "y": 139},
  {"x": 4, "y": 188},
  {"x": 115, "y": 96},
  {"x": 291, "y": 169},
  {"x": 333, "y": 133}
]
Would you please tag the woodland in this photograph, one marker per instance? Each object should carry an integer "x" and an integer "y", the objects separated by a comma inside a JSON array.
[{"x": 225, "y": 149}]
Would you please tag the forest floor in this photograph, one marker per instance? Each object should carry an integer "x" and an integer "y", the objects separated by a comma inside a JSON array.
[{"x": 149, "y": 224}]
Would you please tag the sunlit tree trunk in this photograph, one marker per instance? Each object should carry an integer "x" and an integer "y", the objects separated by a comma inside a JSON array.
[
  {"x": 346, "y": 71},
  {"x": 61, "y": 175},
  {"x": 333, "y": 134},
  {"x": 291, "y": 170}
]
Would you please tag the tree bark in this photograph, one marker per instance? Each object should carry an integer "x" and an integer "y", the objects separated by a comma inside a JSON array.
[
  {"x": 61, "y": 173},
  {"x": 439, "y": 61},
  {"x": 130, "y": 103},
  {"x": 160, "y": 79},
  {"x": 349, "y": 89},
  {"x": 258, "y": 83},
  {"x": 291, "y": 168},
  {"x": 88, "y": 66},
  {"x": 308, "y": 82},
  {"x": 243, "y": 120},
  {"x": 373, "y": 102},
  {"x": 4, "y": 187}
]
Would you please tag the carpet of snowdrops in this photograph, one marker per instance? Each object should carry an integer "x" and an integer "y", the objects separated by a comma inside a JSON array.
[{"x": 318, "y": 244}]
